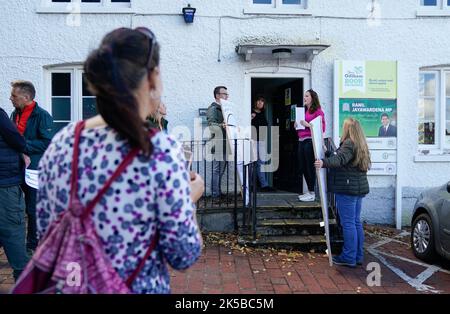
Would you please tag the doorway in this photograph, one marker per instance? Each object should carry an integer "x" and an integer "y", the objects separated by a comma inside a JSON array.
[{"x": 282, "y": 95}]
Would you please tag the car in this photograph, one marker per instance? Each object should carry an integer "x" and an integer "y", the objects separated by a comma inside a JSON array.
[{"x": 430, "y": 224}]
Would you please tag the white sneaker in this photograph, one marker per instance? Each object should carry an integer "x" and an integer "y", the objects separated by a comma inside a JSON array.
[
  {"x": 308, "y": 197},
  {"x": 302, "y": 196}
]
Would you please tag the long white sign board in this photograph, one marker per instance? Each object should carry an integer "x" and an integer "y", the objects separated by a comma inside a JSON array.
[
  {"x": 246, "y": 151},
  {"x": 319, "y": 153}
]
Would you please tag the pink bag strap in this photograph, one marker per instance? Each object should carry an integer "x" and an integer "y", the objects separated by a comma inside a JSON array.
[{"x": 90, "y": 207}]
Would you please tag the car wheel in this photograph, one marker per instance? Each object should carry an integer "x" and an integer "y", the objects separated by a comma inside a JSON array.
[{"x": 422, "y": 238}]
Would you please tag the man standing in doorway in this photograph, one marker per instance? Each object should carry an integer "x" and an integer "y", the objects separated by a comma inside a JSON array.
[
  {"x": 36, "y": 125},
  {"x": 387, "y": 129},
  {"x": 216, "y": 126}
]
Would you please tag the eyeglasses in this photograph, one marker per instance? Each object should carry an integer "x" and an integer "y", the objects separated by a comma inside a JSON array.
[
  {"x": 152, "y": 42},
  {"x": 226, "y": 94}
]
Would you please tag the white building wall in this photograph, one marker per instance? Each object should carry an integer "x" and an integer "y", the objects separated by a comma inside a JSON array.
[{"x": 29, "y": 41}]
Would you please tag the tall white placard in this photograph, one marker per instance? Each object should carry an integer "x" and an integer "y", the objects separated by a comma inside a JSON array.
[
  {"x": 319, "y": 153},
  {"x": 246, "y": 150}
]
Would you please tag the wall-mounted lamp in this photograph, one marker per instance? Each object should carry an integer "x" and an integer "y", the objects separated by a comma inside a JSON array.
[
  {"x": 281, "y": 53},
  {"x": 188, "y": 14}
]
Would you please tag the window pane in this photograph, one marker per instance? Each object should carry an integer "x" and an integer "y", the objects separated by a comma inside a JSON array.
[
  {"x": 61, "y": 108},
  {"x": 86, "y": 91},
  {"x": 447, "y": 84},
  {"x": 426, "y": 133},
  {"x": 428, "y": 2},
  {"x": 60, "y": 84},
  {"x": 60, "y": 0},
  {"x": 447, "y": 122},
  {"x": 426, "y": 109},
  {"x": 89, "y": 108},
  {"x": 120, "y": 1},
  {"x": 97, "y": 1},
  {"x": 448, "y": 2},
  {"x": 292, "y": 1},
  {"x": 426, "y": 129},
  {"x": 427, "y": 84},
  {"x": 58, "y": 126},
  {"x": 262, "y": 1}
]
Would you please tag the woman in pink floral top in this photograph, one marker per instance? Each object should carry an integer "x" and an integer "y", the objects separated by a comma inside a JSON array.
[
  {"x": 305, "y": 147},
  {"x": 155, "y": 194}
]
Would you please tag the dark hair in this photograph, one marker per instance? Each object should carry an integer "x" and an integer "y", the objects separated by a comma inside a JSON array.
[
  {"x": 257, "y": 99},
  {"x": 315, "y": 104},
  {"x": 217, "y": 90},
  {"x": 26, "y": 87},
  {"x": 384, "y": 115},
  {"x": 113, "y": 72}
]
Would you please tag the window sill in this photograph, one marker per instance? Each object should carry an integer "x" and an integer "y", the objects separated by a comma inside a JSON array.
[
  {"x": 274, "y": 11},
  {"x": 83, "y": 10},
  {"x": 432, "y": 158},
  {"x": 432, "y": 12}
]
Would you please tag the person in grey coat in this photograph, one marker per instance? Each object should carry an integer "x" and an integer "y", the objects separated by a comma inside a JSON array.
[{"x": 217, "y": 127}]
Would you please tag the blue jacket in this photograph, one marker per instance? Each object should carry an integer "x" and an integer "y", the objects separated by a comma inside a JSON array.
[
  {"x": 38, "y": 134},
  {"x": 12, "y": 145}
]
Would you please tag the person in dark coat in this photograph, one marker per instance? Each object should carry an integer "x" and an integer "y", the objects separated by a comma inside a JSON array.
[
  {"x": 12, "y": 204},
  {"x": 387, "y": 129},
  {"x": 36, "y": 125},
  {"x": 259, "y": 121},
  {"x": 348, "y": 181}
]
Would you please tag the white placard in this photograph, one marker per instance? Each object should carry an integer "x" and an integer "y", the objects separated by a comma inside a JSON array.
[
  {"x": 299, "y": 116},
  {"x": 245, "y": 146},
  {"x": 382, "y": 142},
  {"x": 319, "y": 153},
  {"x": 31, "y": 178},
  {"x": 383, "y": 156},
  {"x": 382, "y": 169}
]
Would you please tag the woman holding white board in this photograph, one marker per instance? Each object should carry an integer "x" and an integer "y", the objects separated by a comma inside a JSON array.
[
  {"x": 305, "y": 146},
  {"x": 348, "y": 181}
]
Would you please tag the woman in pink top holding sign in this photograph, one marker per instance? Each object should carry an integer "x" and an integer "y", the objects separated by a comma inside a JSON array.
[{"x": 305, "y": 146}]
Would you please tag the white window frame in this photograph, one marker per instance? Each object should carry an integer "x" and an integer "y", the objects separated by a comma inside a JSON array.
[
  {"x": 277, "y": 8},
  {"x": 440, "y": 146},
  {"x": 76, "y": 87},
  {"x": 440, "y": 9},
  {"x": 78, "y": 7}
]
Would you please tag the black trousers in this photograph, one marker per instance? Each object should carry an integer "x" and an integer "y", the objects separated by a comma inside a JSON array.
[
  {"x": 306, "y": 164},
  {"x": 30, "y": 204}
]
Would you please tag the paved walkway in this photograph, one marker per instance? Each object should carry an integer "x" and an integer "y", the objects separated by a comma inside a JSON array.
[{"x": 227, "y": 268}]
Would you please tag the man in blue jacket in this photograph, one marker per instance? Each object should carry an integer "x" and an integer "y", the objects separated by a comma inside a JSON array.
[
  {"x": 12, "y": 205},
  {"x": 36, "y": 125}
]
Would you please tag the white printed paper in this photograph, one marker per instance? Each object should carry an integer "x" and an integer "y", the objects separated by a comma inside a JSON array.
[
  {"x": 299, "y": 116},
  {"x": 31, "y": 178}
]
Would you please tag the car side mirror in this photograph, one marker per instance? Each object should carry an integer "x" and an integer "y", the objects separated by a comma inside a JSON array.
[{"x": 448, "y": 187}]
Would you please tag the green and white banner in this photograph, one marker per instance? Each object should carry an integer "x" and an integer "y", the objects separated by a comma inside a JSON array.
[
  {"x": 368, "y": 112},
  {"x": 367, "y": 91}
]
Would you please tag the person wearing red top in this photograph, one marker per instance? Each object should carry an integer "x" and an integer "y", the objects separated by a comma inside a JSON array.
[
  {"x": 36, "y": 126},
  {"x": 305, "y": 148},
  {"x": 21, "y": 119}
]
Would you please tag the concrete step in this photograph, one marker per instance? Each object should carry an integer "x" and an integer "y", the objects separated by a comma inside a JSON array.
[
  {"x": 292, "y": 227},
  {"x": 297, "y": 242},
  {"x": 292, "y": 222}
]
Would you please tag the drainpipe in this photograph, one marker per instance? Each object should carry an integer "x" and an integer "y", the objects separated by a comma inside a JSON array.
[{"x": 398, "y": 185}]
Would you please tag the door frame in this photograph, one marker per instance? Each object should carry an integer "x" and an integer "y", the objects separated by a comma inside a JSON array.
[{"x": 272, "y": 73}]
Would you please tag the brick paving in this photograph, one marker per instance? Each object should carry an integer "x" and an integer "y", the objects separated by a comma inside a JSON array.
[{"x": 225, "y": 270}]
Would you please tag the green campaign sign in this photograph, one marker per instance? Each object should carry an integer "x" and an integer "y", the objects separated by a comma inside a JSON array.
[
  {"x": 369, "y": 113},
  {"x": 367, "y": 79}
]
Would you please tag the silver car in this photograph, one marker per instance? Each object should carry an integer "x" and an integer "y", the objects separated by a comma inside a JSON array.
[{"x": 430, "y": 233}]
